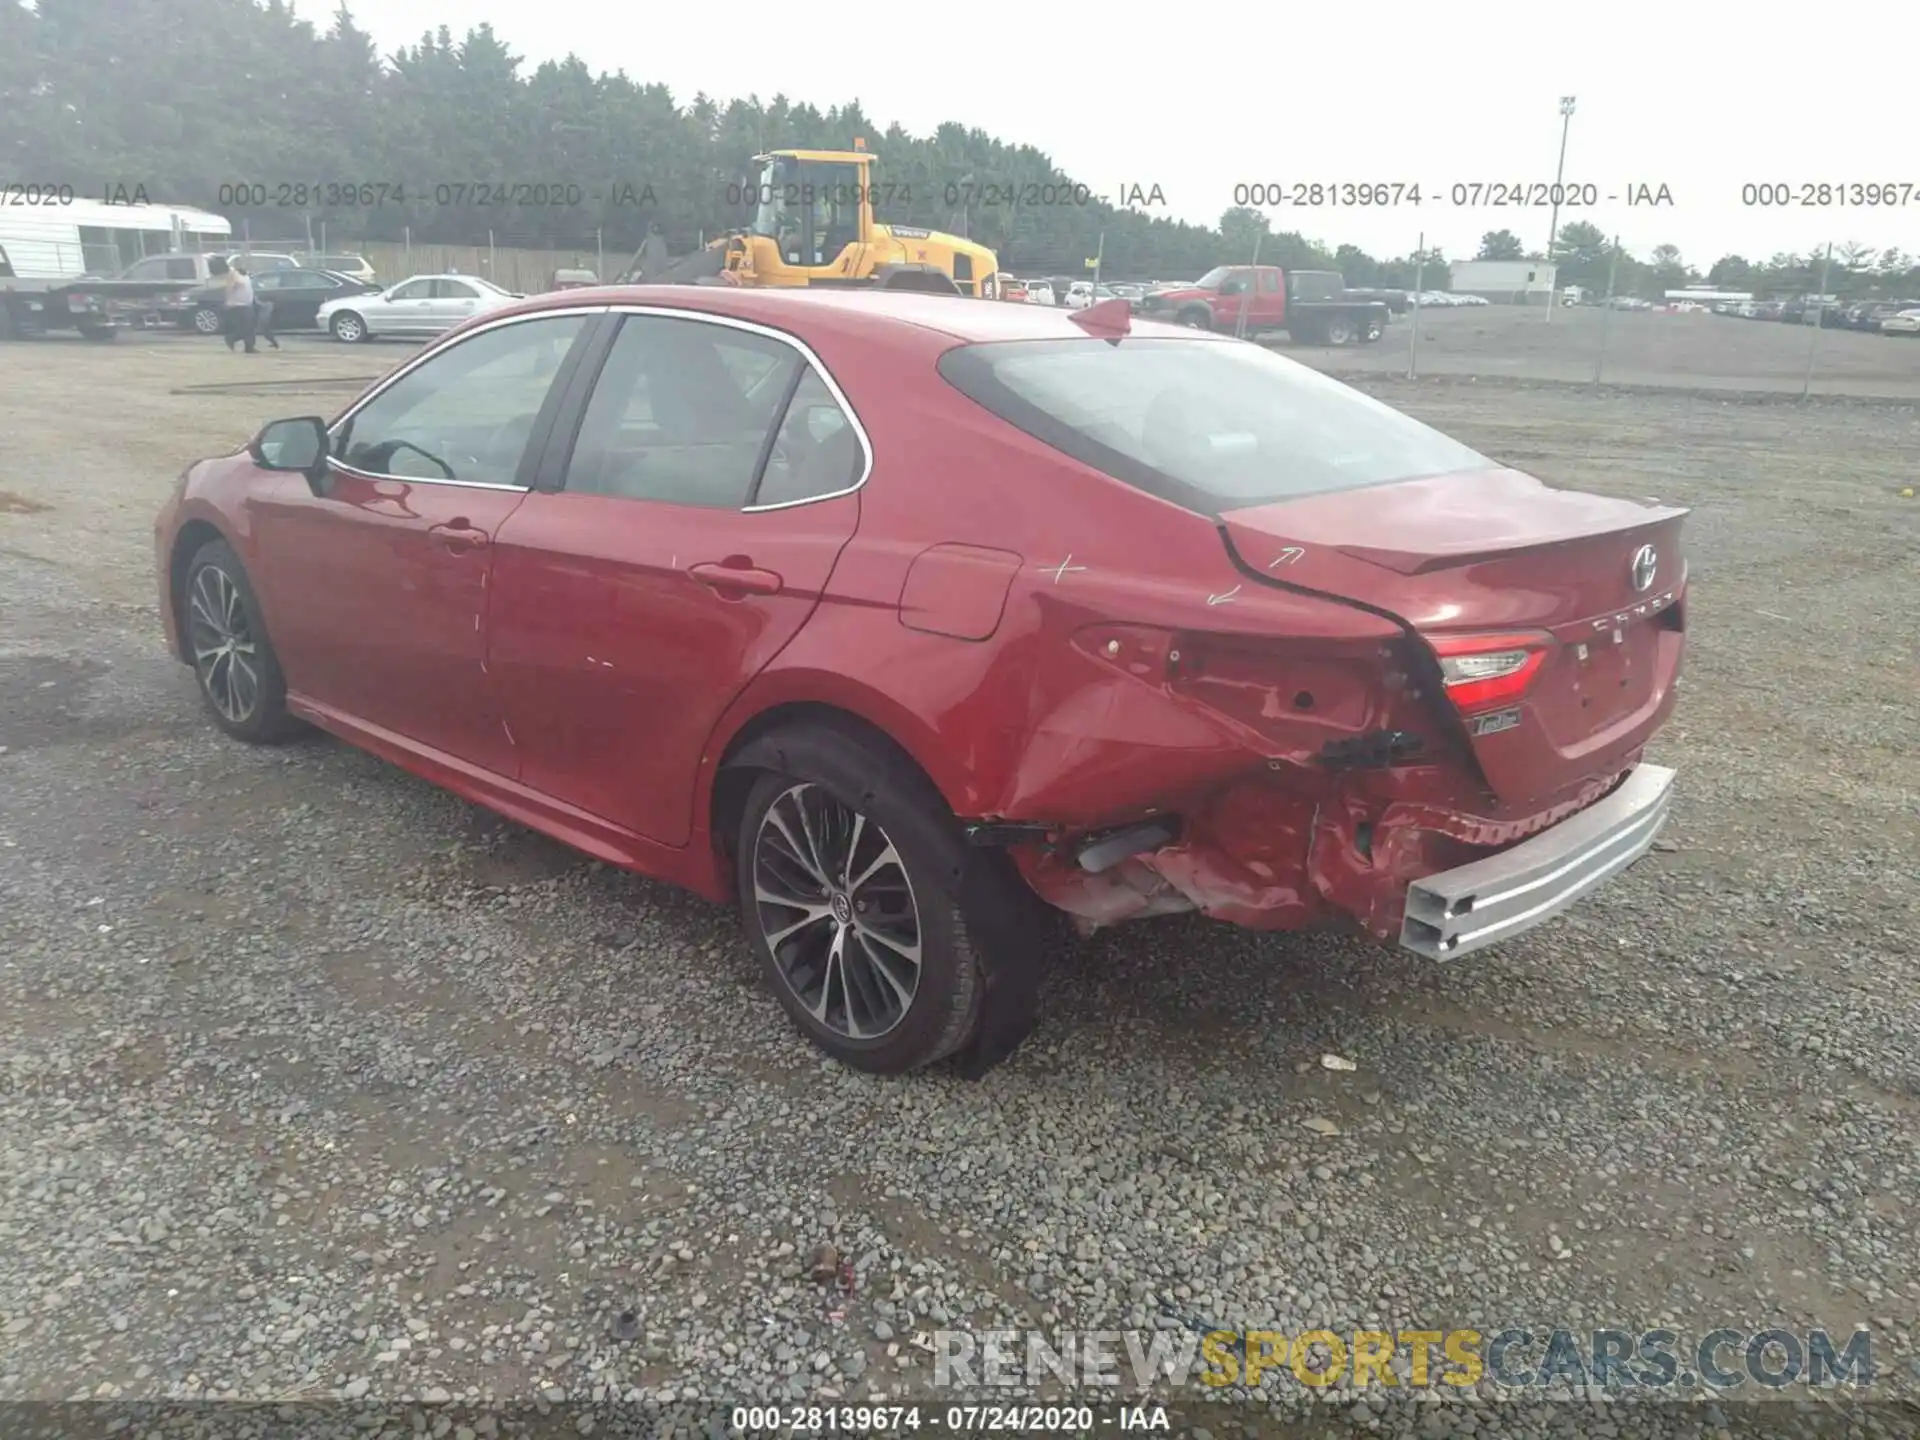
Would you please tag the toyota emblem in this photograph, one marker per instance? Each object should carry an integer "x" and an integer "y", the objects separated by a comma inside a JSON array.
[{"x": 1646, "y": 564}]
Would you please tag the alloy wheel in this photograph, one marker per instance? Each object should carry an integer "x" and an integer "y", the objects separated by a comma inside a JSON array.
[
  {"x": 225, "y": 655},
  {"x": 837, "y": 910}
]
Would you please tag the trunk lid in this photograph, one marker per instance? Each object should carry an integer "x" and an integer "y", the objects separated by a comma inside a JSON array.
[{"x": 1489, "y": 566}]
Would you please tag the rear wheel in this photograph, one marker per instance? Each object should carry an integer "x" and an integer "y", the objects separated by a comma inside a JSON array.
[
  {"x": 206, "y": 320},
  {"x": 1338, "y": 330},
  {"x": 348, "y": 327},
  {"x": 233, "y": 661},
  {"x": 844, "y": 878}
]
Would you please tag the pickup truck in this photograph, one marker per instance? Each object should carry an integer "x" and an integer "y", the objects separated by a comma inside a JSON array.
[
  {"x": 31, "y": 306},
  {"x": 153, "y": 288},
  {"x": 1310, "y": 305}
]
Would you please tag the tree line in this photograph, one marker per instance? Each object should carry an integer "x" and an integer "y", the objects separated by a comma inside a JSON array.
[{"x": 241, "y": 107}]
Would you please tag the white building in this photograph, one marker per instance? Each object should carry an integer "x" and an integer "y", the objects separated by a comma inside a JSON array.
[
  {"x": 1505, "y": 282},
  {"x": 87, "y": 237}
]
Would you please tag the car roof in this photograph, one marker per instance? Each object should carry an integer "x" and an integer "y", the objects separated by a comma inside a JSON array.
[{"x": 875, "y": 313}]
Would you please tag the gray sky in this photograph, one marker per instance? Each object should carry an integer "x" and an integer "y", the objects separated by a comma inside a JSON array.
[{"x": 1200, "y": 101}]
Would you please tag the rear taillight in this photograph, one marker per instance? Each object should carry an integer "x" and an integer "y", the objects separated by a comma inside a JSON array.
[{"x": 1486, "y": 671}]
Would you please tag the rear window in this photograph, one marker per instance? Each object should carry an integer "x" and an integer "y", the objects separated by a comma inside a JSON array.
[{"x": 1211, "y": 425}]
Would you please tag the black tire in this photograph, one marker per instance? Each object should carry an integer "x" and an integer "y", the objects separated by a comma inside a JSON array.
[
  {"x": 349, "y": 327},
  {"x": 1196, "y": 317},
  {"x": 833, "y": 777},
  {"x": 206, "y": 320},
  {"x": 1337, "y": 330},
  {"x": 217, "y": 590}
]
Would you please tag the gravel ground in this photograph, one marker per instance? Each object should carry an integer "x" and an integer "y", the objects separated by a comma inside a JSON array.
[{"x": 319, "y": 1082}]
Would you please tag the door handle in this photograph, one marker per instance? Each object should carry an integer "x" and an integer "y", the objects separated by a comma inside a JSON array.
[
  {"x": 729, "y": 577},
  {"x": 458, "y": 536}
]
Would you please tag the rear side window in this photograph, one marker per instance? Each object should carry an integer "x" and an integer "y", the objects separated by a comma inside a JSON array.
[
  {"x": 683, "y": 412},
  {"x": 816, "y": 452},
  {"x": 1211, "y": 425}
]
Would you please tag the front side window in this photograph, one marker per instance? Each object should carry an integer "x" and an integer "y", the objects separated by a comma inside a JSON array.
[
  {"x": 413, "y": 290},
  {"x": 1207, "y": 424},
  {"x": 682, "y": 413},
  {"x": 465, "y": 415}
]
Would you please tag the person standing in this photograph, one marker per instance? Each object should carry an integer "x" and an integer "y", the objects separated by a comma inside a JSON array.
[{"x": 238, "y": 309}]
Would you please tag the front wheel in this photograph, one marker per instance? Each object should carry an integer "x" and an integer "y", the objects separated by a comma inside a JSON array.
[
  {"x": 348, "y": 327},
  {"x": 844, "y": 882},
  {"x": 1196, "y": 317},
  {"x": 233, "y": 661},
  {"x": 206, "y": 320}
]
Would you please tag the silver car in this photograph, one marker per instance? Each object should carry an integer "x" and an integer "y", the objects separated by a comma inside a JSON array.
[{"x": 425, "y": 305}]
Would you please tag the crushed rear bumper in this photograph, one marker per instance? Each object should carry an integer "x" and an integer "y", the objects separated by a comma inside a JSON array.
[{"x": 1490, "y": 900}]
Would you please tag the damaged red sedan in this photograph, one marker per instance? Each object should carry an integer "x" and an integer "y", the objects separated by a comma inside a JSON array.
[{"x": 903, "y": 621}]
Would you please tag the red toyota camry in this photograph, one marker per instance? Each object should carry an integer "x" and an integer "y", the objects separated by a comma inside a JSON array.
[{"x": 909, "y": 621}]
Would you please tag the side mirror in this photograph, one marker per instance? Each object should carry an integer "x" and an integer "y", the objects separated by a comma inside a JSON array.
[{"x": 297, "y": 446}]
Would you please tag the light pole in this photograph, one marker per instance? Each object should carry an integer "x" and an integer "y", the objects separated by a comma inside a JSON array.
[{"x": 1553, "y": 224}]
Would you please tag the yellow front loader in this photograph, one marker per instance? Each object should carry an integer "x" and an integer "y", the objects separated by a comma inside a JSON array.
[{"x": 813, "y": 225}]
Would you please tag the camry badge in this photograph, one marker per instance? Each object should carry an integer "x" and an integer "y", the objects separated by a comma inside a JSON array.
[{"x": 1646, "y": 565}]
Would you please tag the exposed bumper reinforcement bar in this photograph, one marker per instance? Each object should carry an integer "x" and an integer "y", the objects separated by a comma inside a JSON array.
[{"x": 1491, "y": 900}]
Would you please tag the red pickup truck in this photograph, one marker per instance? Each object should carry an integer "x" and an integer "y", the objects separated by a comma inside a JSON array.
[{"x": 1312, "y": 306}]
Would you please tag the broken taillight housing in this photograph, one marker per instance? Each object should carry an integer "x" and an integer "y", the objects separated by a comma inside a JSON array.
[{"x": 1483, "y": 672}]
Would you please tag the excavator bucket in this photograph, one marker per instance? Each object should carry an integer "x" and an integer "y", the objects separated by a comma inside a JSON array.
[{"x": 654, "y": 264}]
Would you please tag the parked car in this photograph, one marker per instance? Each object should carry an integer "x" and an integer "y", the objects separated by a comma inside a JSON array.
[
  {"x": 907, "y": 633},
  {"x": 1039, "y": 292},
  {"x": 424, "y": 305},
  {"x": 1905, "y": 322},
  {"x": 573, "y": 280},
  {"x": 296, "y": 296},
  {"x": 353, "y": 266},
  {"x": 1876, "y": 315},
  {"x": 1084, "y": 293},
  {"x": 1013, "y": 288}
]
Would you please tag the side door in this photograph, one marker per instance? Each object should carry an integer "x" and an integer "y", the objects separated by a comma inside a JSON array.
[
  {"x": 377, "y": 587},
  {"x": 679, "y": 537},
  {"x": 1269, "y": 301},
  {"x": 454, "y": 303},
  {"x": 407, "y": 309},
  {"x": 297, "y": 296},
  {"x": 1234, "y": 297}
]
